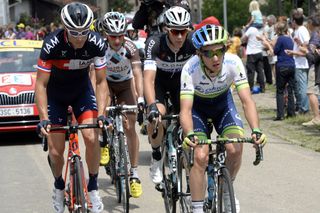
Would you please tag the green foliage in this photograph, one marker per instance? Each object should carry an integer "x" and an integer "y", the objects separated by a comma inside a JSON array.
[
  {"x": 120, "y": 6},
  {"x": 237, "y": 11}
]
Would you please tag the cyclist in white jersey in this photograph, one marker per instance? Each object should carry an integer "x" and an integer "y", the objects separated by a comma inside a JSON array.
[
  {"x": 205, "y": 94},
  {"x": 124, "y": 77}
]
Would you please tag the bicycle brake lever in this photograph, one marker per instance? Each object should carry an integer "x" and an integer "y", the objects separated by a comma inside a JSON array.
[
  {"x": 44, "y": 143},
  {"x": 259, "y": 155}
]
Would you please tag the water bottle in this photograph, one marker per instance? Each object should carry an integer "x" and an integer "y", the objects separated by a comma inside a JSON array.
[{"x": 211, "y": 182}]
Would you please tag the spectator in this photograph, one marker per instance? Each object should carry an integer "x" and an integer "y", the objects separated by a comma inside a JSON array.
[
  {"x": 41, "y": 33},
  {"x": 209, "y": 20},
  {"x": 256, "y": 16},
  {"x": 10, "y": 34},
  {"x": 301, "y": 39},
  {"x": 235, "y": 46},
  {"x": 254, "y": 56},
  {"x": 29, "y": 33},
  {"x": 285, "y": 68},
  {"x": 313, "y": 57},
  {"x": 269, "y": 60},
  {"x": 21, "y": 34}
]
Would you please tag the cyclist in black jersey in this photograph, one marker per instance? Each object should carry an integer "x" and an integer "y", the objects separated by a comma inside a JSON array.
[
  {"x": 165, "y": 57},
  {"x": 62, "y": 81}
]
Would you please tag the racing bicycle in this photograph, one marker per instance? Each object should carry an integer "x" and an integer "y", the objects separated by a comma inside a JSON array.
[
  {"x": 222, "y": 183},
  {"x": 119, "y": 165},
  {"x": 76, "y": 194}
]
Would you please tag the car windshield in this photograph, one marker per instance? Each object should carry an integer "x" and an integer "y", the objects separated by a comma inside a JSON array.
[{"x": 18, "y": 60}]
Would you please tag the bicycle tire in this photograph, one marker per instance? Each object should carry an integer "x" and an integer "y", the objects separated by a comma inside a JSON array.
[
  {"x": 185, "y": 203},
  {"x": 223, "y": 180},
  {"x": 168, "y": 188},
  {"x": 80, "y": 199},
  {"x": 124, "y": 178}
]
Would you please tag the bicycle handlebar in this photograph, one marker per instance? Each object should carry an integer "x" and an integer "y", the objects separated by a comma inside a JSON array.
[
  {"x": 223, "y": 141},
  {"x": 70, "y": 128},
  {"x": 123, "y": 108},
  {"x": 163, "y": 118}
]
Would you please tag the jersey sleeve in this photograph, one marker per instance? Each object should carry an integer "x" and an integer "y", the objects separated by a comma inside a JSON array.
[
  {"x": 45, "y": 60},
  {"x": 240, "y": 77},
  {"x": 151, "y": 50},
  {"x": 187, "y": 87},
  {"x": 99, "y": 60}
]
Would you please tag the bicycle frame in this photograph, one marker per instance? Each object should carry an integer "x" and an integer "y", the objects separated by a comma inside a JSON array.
[{"x": 74, "y": 152}]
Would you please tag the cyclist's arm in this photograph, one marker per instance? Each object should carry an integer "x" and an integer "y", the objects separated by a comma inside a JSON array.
[
  {"x": 249, "y": 107},
  {"x": 41, "y": 94},
  {"x": 186, "y": 100},
  {"x": 150, "y": 68},
  {"x": 186, "y": 115},
  {"x": 137, "y": 73},
  {"x": 92, "y": 75},
  {"x": 102, "y": 90},
  {"x": 148, "y": 84}
]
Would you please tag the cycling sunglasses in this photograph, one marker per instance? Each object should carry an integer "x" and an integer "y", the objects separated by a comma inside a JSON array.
[
  {"x": 177, "y": 32},
  {"x": 115, "y": 36},
  {"x": 75, "y": 33},
  {"x": 212, "y": 53}
]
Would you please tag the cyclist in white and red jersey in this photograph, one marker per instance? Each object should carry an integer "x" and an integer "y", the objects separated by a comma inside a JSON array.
[
  {"x": 125, "y": 82},
  {"x": 205, "y": 94},
  {"x": 62, "y": 81},
  {"x": 165, "y": 57}
]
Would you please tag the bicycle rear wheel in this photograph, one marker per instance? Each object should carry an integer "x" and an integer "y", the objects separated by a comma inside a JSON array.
[
  {"x": 183, "y": 183},
  {"x": 224, "y": 193},
  {"x": 124, "y": 176},
  {"x": 80, "y": 203},
  {"x": 169, "y": 188}
]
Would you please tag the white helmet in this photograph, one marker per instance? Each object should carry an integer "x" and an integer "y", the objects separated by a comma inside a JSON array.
[
  {"x": 77, "y": 16},
  {"x": 114, "y": 23},
  {"x": 177, "y": 17}
]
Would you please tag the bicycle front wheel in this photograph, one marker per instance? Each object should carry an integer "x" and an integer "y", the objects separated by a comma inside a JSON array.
[
  {"x": 80, "y": 204},
  {"x": 183, "y": 183},
  {"x": 124, "y": 176},
  {"x": 224, "y": 193},
  {"x": 169, "y": 188}
]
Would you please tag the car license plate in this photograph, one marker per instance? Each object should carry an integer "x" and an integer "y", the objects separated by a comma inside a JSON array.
[{"x": 17, "y": 111}]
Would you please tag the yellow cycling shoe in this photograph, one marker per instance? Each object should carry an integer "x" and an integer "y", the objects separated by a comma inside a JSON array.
[
  {"x": 135, "y": 187},
  {"x": 105, "y": 157}
]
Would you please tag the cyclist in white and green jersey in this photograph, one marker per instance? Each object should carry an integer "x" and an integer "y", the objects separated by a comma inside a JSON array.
[{"x": 205, "y": 94}]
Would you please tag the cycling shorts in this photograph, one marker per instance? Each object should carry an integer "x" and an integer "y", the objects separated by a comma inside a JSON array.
[
  {"x": 84, "y": 106},
  {"x": 171, "y": 84},
  {"x": 124, "y": 91},
  {"x": 221, "y": 111}
]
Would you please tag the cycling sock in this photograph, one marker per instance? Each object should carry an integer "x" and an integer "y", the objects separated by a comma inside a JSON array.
[
  {"x": 93, "y": 182},
  {"x": 134, "y": 172},
  {"x": 197, "y": 206},
  {"x": 59, "y": 183},
  {"x": 156, "y": 154}
]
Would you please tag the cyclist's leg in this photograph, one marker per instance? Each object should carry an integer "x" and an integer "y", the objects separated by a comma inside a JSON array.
[
  {"x": 85, "y": 110},
  {"x": 56, "y": 144},
  {"x": 231, "y": 126},
  {"x": 197, "y": 172}
]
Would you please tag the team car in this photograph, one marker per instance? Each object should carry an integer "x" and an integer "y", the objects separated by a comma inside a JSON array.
[{"x": 18, "y": 66}]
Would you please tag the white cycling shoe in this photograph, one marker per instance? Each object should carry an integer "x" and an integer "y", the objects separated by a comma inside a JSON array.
[
  {"x": 155, "y": 171},
  {"x": 58, "y": 200},
  {"x": 97, "y": 205}
]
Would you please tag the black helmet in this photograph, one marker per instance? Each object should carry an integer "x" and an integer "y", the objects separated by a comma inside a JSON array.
[{"x": 77, "y": 16}]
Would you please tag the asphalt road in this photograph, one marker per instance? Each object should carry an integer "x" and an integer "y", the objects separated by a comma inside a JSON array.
[{"x": 287, "y": 181}]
